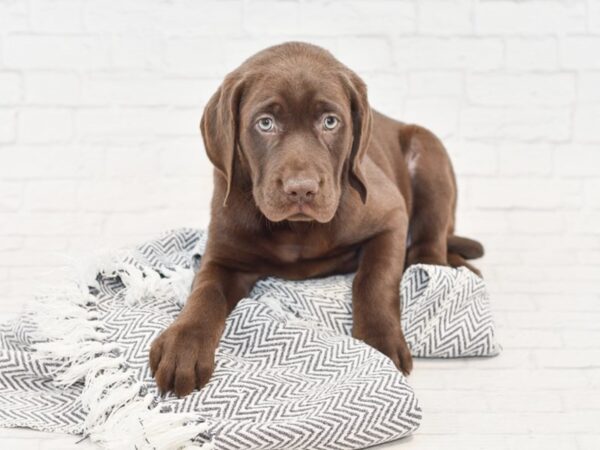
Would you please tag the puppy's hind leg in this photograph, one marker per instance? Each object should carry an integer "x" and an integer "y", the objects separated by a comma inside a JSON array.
[
  {"x": 432, "y": 238},
  {"x": 433, "y": 197}
]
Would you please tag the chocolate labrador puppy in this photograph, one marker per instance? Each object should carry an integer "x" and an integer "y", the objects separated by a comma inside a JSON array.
[{"x": 310, "y": 181}]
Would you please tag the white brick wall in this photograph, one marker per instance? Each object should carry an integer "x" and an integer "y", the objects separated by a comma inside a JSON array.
[{"x": 100, "y": 102}]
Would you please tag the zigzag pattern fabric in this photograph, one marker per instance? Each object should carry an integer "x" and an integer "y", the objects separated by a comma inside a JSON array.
[{"x": 288, "y": 375}]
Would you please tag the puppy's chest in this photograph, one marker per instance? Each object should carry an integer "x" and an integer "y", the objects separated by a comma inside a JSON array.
[
  {"x": 290, "y": 248},
  {"x": 289, "y": 252}
]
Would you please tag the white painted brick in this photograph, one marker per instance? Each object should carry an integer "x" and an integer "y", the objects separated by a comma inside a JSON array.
[
  {"x": 357, "y": 17},
  {"x": 589, "y": 257},
  {"x": 516, "y": 422},
  {"x": 210, "y": 18},
  {"x": 188, "y": 159},
  {"x": 568, "y": 358},
  {"x": 578, "y": 160},
  {"x": 581, "y": 52},
  {"x": 514, "y": 358},
  {"x": 532, "y": 17},
  {"x": 52, "y": 88},
  {"x": 51, "y": 162},
  {"x": 8, "y": 125},
  {"x": 387, "y": 92},
  {"x": 593, "y": 13},
  {"x": 452, "y": 401},
  {"x": 45, "y": 125},
  {"x": 534, "y": 222},
  {"x": 51, "y": 224},
  {"x": 134, "y": 16},
  {"x": 582, "y": 303},
  {"x": 585, "y": 222},
  {"x": 516, "y": 123},
  {"x": 586, "y": 123},
  {"x": 188, "y": 193},
  {"x": 37, "y": 51},
  {"x": 517, "y": 242},
  {"x": 10, "y": 243},
  {"x": 474, "y": 158},
  {"x": 99, "y": 122},
  {"x": 57, "y": 195},
  {"x": 111, "y": 89},
  {"x": 23, "y": 259},
  {"x": 145, "y": 52},
  {"x": 589, "y": 87},
  {"x": 11, "y": 88},
  {"x": 365, "y": 54},
  {"x": 11, "y": 196},
  {"x": 437, "y": 114},
  {"x": 57, "y": 16},
  {"x": 17, "y": 444},
  {"x": 147, "y": 90},
  {"x": 583, "y": 400},
  {"x": 549, "y": 320},
  {"x": 580, "y": 339},
  {"x": 14, "y": 16},
  {"x": 138, "y": 224},
  {"x": 520, "y": 402},
  {"x": 45, "y": 243},
  {"x": 512, "y": 302},
  {"x": 530, "y": 339},
  {"x": 588, "y": 442},
  {"x": 548, "y": 256},
  {"x": 435, "y": 83},
  {"x": 531, "y": 53},
  {"x": 529, "y": 89},
  {"x": 525, "y": 159},
  {"x": 268, "y": 17},
  {"x": 132, "y": 162},
  {"x": 542, "y": 442},
  {"x": 130, "y": 196},
  {"x": 524, "y": 193},
  {"x": 187, "y": 56},
  {"x": 449, "y": 53},
  {"x": 443, "y": 17},
  {"x": 180, "y": 122},
  {"x": 592, "y": 190}
]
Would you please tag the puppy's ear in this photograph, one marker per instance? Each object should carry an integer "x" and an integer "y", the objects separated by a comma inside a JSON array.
[
  {"x": 219, "y": 127},
  {"x": 361, "y": 131}
]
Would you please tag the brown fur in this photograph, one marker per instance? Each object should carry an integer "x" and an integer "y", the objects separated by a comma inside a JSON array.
[{"x": 371, "y": 195}]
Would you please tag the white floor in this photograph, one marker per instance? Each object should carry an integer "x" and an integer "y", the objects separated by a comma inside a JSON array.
[{"x": 543, "y": 392}]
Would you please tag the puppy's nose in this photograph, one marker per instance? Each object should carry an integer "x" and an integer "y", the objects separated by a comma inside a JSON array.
[{"x": 301, "y": 190}]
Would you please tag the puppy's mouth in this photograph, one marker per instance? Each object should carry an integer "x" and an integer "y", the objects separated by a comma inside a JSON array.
[
  {"x": 279, "y": 210},
  {"x": 300, "y": 213}
]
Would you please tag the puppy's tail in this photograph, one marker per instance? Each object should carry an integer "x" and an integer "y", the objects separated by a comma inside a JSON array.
[{"x": 465, "y": 247}]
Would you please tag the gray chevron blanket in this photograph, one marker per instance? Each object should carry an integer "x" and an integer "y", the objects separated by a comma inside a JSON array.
[{"x": 288, "y": 375}]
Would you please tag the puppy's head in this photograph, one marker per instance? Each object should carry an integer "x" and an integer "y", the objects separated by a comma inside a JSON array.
[{"x": 296, "y": 122}]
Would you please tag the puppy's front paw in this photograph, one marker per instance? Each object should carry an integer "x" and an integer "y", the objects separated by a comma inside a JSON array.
[
  {"x": 182, "y": 358},
  {"x": 392, "y": 344}
]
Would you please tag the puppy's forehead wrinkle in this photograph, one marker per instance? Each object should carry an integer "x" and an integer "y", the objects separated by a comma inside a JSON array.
[{"x": 307, "y": 100}]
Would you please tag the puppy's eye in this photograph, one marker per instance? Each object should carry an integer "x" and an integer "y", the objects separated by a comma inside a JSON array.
[
  {"x": 266, "y": 124},
  {"x": 330, "y": 122}
]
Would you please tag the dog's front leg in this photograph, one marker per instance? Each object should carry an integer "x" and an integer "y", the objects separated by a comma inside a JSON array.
[
  {"x": 376, "y": 295},
  {"x": 183, "y": 356}
]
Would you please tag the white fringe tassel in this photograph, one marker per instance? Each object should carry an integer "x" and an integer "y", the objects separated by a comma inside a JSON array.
[{"x": 118, "y": 415}]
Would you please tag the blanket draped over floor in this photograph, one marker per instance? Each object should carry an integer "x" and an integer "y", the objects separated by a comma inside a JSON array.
[{"x": 288, "y": 373}]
